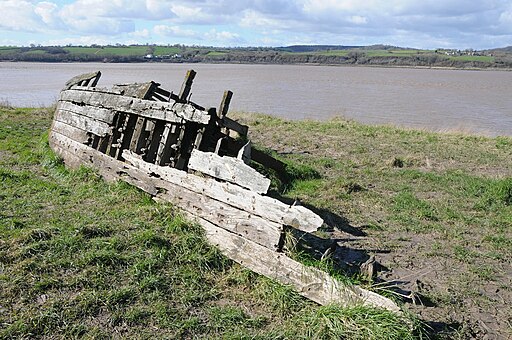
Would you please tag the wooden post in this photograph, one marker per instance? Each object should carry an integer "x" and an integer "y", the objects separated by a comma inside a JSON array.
[
  {"x": 224, "y": 105},
  {"x": 187, "y": 85}
]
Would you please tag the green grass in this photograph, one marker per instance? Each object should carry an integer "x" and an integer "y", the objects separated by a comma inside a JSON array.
[
  {"x": 339, "y": 53},
  {"x": 8, "y": 50},
  {"x": 109, "y": 50},
  {"x": 81, "y": 50},
  {"x": 83, "y": 258},
  {"x": 482, "y": 58},
  {"x": 163, "y": 50}
]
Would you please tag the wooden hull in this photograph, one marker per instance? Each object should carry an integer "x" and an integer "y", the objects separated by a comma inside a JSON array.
[{"x": 151, "y": 144}]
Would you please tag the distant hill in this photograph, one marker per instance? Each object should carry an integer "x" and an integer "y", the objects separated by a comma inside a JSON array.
[
  {"x": 314, "y": 48},
  {"x": 507, "y": 49},
  {"x": 320, "y": 48}
]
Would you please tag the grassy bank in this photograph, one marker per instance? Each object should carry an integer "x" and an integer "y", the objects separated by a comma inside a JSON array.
[
  {"x": 82, "y": 258},
  {"x": 435, "y": 209},
  {"x": 79, "y": 257}
]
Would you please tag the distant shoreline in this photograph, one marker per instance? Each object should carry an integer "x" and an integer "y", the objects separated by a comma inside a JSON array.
[
  {"x": 508, "y": 69},
  {"x": 331, "y": 55}
]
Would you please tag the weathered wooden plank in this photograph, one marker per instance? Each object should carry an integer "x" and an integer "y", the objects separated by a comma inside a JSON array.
[
  {"x": 228, "y": 169},
  {"x": 98, "y": 90},
  {"x": 164, "y": 147},
  {"x": 76, "y": 154},
  {"x": 87, "y": 77},
  {"x": 169, "y": 112},
  {"x": 103, "y": 115},
  {"x": 98, "y": 128},
  {"x": 261, "y": 231},
  {"x": 137, "y": 90},
  {"x": 81, "y": 136},
  {"x": 155, "y": 142},
  {"x": 267, "y": 207},
  {"x": 310, "y": 282}
]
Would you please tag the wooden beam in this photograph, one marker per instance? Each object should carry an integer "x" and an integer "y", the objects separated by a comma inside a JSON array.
[
  {"x": 269, "y": 208},
  {"x": 187, "y": 85},
  {"x": 231, "y": 124},
  {"x": 229, "y": 169},
  {"x": 98, "y": 90},
  {"x": 137, "y": 90},
  {"x": 224, "y": 104},
  {"x": 169, "y": 112},
  {"x": 310, "y": 282}
]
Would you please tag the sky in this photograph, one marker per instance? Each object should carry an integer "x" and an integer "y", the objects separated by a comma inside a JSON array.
[{"x": 427, "y": 24}]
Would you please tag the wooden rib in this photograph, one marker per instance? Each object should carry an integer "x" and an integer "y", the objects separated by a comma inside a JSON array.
[
  {"x": 155, "y": 141},
  {"x": 83, "y": 78},
  {"x": 135, "y": 143}
]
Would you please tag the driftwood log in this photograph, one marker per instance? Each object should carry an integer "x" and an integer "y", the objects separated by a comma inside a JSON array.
[{"x": 179, "y": 152}]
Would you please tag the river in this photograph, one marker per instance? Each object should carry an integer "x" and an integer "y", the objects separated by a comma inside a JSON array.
[{"x": 477, "y": 102}]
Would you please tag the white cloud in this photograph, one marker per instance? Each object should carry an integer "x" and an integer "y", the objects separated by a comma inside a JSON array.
[
  {"x": 19, "y": 16},
  {"x": 174, "y": 31},
  {"x": 252, "y": 18},
  {"x": 223, "y": 37},
  {"x": 358, "y": 20},
  {"x": 399, "y": 22},
  {"x": 144, "y": 34},
  {"x": 48, "y": 11},
  {"x": 127, "y": 9}
]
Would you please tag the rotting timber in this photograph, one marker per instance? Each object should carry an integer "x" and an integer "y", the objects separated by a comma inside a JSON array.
[{"x": 178, "y": 151}]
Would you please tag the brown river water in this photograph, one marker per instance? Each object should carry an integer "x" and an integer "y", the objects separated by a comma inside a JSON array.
[{"x": 477, "y": 102}]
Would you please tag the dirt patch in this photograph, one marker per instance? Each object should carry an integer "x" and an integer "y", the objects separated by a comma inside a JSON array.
[{"x": 448, "y": 295}]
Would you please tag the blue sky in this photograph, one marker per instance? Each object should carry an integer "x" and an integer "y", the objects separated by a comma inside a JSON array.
[{"x": 477, "y": 24}]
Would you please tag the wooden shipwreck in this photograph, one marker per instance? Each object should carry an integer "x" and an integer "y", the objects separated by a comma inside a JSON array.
[{"x": 196, "y": 158}]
